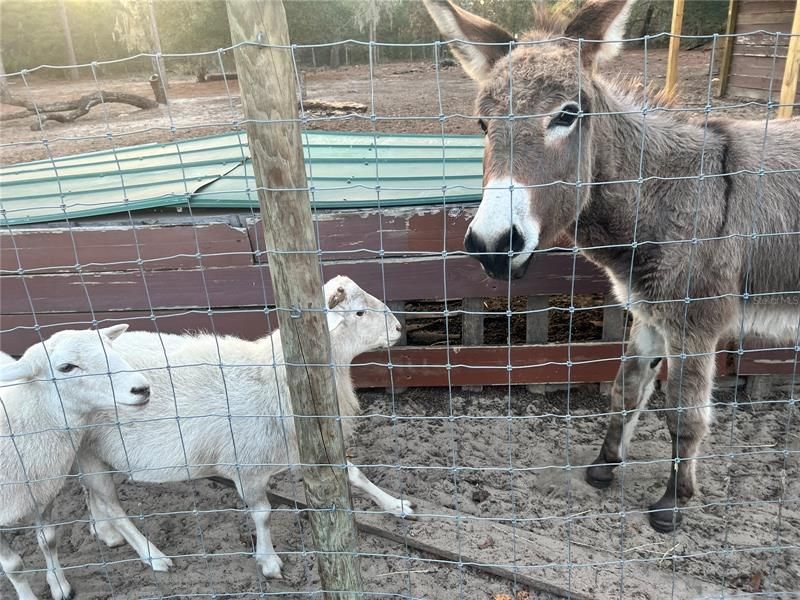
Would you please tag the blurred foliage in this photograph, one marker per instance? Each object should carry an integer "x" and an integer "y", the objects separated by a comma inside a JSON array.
[{"x": 31, "y": 32}]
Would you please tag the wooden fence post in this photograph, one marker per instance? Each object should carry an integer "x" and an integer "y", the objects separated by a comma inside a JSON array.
[
  {"x": 674, "y": 48},
  {"x": 536, "y": 325},
  {"x": 727, "y": 48},
  {"x": 790, "y": 72},
  {"x": 269, "y": 99},
  {"x": 472, "y": 329}
]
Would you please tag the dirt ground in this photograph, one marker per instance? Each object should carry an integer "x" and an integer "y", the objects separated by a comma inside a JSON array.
[
  {"x": 398, "y": 92},
  {"x": 496, "y": 458}
]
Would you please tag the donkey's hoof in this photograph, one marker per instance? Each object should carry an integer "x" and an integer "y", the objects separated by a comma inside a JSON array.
[
  {"x": 664, "y": 520},
  {"x": 599, "y": 476}
]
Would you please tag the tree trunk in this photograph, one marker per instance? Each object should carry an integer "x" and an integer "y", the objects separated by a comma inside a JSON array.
[
  {"x": 158, "y": 62},
  {"x": 158, "y": 88},
  {"x": 62, "y": 11},
  {"x": 335, "y": 57}
]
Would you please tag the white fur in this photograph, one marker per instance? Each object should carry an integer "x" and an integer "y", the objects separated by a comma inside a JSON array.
[
  {"x": 235, "y": 422},
  {"x": 37, "y": 403},
  {"x": 612, "y": 45},
  {"x": 500, "y": 209}
]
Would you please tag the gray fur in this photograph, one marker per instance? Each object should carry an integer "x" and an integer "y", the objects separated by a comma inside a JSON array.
[{"x": 729, "y": 240}]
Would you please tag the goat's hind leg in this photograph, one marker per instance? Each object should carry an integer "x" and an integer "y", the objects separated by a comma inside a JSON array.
[
  {"x": 107, "y": 512},
  {"x": 253, "y": 491},
  {"x": 387, "y": 502},
  {"x": 12, "y": 565},
  {"x": 630, "y": 394},
  {"x": 60, "y": 588}
]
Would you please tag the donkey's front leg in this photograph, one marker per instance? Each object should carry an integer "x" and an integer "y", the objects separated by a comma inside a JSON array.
[
  {"x": 689, "y": 382},
  {"x": 630, "y": 393}
]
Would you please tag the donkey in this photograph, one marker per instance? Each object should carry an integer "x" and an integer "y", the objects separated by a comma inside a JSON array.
[{"x": 696, "y": 223}]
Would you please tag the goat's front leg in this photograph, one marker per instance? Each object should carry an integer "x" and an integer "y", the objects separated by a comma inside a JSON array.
[
  {"x": 11, "y": 562},
  {"x": 387, "y": 502},
  {"x": 253, "y": 492},
  {"x": 60, "y": 588},
  {"x": 630, "y": 393},
  {"x": 110, "y": 519},
  {"x": 689, "y": 384}
]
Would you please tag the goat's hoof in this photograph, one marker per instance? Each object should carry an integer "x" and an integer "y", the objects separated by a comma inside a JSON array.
[
  {"x": 402, "y": 509},
  {"x": 271, "y": 567},
  {"x": 599, "y": 476},
  {"x": 664, "y": 520},
  {"x": 162, "y": 564},
  {"x": 63, "y": 593}
]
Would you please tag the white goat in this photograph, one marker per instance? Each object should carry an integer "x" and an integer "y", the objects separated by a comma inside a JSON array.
[
  {"x": 234, "y": 422},
  {"x": 48, "y": 398}
]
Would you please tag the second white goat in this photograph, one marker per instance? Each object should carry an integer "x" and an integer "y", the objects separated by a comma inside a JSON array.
[{"x": 234, "y": 422}]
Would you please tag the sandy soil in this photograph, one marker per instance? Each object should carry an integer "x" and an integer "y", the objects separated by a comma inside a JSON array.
[
  {"x": 399, "y": 91},
  {"x": 746, "y": 509}
]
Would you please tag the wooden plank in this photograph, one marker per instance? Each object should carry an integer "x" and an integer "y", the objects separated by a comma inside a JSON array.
[
  {"x": 755, "y": 83},
  {"x": 550, "y": 566},
  {"x": 18, "y": 333},
  {"x": 791, "y": 70},
  {"x": 269, "y": 101},
  {"x": 727, "y": 48},
  {"x": 749, "y": 7},
  {"x": 242, "y": 286},
  {"x": 745, "y": 38},
  {"x": 759, "y": 66},
  {"x": 767, "y": 362},
  {"x": 407, "y": 231},
  {"x": 774, "y": 20},
  {"x": 674, "y": 48},
  {"x": 48, "y": 250}
]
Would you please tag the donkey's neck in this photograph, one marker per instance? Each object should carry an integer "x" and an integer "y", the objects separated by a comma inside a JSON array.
[{"x": 629, "y": 146}]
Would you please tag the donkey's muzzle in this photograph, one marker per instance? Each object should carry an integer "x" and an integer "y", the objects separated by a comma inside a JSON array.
[{"x": 495, "y": 256}]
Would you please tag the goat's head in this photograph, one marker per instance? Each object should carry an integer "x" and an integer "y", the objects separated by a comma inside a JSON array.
[
  {"x": 533, "y": 160},
  {"x": 357, "y": 320},
  {"x": 88, "y": 373}
]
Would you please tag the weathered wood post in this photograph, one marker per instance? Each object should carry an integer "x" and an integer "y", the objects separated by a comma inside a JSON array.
[
  {"x": 269, "y": 99},
  {"x": 726, "y": 53},
  {"x": 674, "y": 47},
  {"x": 791, "y": 70}
]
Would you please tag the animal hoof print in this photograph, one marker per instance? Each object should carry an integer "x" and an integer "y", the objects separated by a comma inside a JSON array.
[
  {"x": 665, "y": 520},
  {"x": 599, "y": 477}
]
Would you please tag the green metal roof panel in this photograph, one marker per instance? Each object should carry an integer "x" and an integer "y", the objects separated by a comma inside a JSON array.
[{"x": 345, "y": 170}]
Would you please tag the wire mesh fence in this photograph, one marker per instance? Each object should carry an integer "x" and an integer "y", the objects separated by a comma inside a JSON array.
[{"x": 487, "y": 411}]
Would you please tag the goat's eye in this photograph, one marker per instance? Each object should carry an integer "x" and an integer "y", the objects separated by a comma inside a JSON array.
[
  {"x": 484, "y": 128},
  {"x": 360, "y": 313},
  {"x": 67, "y": 368},
  {"x": 566, "y": 117}
]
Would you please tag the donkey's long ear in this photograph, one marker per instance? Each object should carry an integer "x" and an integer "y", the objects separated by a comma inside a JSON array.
[
  {"x": 456, "y": 23},
  {"x": 600, "y": 20}
]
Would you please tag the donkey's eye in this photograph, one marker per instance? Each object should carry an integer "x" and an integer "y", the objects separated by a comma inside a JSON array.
[
  {"x": 484, "y": 128},
  {"x": 566, "y": 117},
  {"x": 360, "y": 313},
  {"x": 66, "y": 368}
]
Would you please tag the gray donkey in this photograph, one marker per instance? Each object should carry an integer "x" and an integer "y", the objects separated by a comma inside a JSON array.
[{"x": 696, "y": 223}]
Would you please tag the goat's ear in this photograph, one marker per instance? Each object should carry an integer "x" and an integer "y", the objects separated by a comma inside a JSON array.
[
  {"x": 599, "y": 20},
  {"x": 19, "y": 370},
  {"x": 334, "y": 320},
  {"x": 114, "y": 331},
  {"x": 456, "y": 23}
]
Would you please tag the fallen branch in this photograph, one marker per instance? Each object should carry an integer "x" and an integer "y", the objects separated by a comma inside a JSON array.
[
  {"x": 334, "y": 106},
  {"x": 77, "y": 108},
  {"x": 85, "y": 104}
]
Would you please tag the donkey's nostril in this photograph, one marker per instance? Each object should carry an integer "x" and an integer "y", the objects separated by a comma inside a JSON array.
[
  {"x": 399, "y": 327},
  {"x": 510, "y": 239},
  {"x": 473, "y": 243}
]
